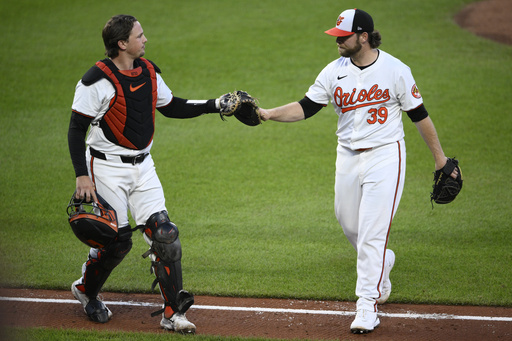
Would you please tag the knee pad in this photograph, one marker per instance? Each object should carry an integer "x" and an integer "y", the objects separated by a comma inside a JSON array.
[
  {"x": 163, "y": 237},
  {"x": 118, "y": 249}
]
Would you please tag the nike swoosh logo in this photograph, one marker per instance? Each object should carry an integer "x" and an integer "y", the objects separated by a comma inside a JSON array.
[
  {"x": 133, "y": 89},
  {"x": 341, "y": 77}
]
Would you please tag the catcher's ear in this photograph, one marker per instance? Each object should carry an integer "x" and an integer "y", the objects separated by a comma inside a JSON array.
[{"x": 122, "y": 45}]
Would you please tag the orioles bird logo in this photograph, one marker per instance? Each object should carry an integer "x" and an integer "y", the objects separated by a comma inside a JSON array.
[
  {"x": 340, "y": 19},
  {"x": 415, "y": 91}
]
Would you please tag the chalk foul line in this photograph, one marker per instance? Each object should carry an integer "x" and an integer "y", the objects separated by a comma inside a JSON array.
[{"x": 408, "y": 315}]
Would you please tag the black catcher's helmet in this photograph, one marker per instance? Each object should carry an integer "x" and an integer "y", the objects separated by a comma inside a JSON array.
[{"x": 95, "y": 224}]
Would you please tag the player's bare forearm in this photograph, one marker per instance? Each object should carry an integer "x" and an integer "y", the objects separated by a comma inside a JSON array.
[
  {"x": 291, "y": 112},
  {"x": 428, "y": 132}
]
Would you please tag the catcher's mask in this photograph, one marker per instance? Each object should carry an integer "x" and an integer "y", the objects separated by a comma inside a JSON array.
[{"x": 94, "y": 223}]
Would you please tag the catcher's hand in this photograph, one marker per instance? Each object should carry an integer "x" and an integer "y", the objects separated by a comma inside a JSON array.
[
  {"x": 446, "y": 188},
  {"x": 241, "y": 105}
]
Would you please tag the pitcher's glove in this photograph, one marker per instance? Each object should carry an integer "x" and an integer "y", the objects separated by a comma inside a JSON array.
[
  {"x": 446, "y": 188},
  {"x": 241, "y": 105}
]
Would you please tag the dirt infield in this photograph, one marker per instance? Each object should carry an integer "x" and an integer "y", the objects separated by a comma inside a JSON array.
[
  {"x": 277, "y": 318},
  {"x": 491, "y": 19},
  {"x": 249, "y": 317}
]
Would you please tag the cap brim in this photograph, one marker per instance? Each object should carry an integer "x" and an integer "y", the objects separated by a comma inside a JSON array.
[{"x": 336, "y": 32}]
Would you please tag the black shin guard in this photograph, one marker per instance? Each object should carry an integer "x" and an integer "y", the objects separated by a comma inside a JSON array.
[
  {"x": 169, "y": 279},
  {"x": 165, "y": 254},
  {"x": 99, "y": 268}
]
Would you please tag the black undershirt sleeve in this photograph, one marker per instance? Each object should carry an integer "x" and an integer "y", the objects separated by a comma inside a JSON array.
[
  {"x": 77, "y": 131},
  {"x": 418, "y": 114},
  {"x": 310, "y": 108},
  {"x": 182, "y": 108}
]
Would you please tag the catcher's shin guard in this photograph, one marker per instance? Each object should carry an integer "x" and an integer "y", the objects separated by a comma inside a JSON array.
[
  {"x": 101, "y": 262},
  {"x": 169, "y": 279},
  {"x": 165, "y": 253}
]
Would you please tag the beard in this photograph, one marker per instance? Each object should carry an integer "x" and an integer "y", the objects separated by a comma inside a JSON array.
[{"x": 350, "y": 52}]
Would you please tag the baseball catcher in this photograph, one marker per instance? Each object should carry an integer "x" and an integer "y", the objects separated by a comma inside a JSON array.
[
  {"x": 241, "y": 105},
  {"x": 446, "y": 188},
  {"x": 113, "y": 111}
]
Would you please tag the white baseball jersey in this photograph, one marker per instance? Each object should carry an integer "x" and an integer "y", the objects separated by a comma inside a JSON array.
[
  {"x": 369, "y": 102},
  {"x": 94, "y": 101}
]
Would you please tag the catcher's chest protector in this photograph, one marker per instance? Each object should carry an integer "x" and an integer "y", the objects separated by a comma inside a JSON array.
[{"x": 130, "y": 119}]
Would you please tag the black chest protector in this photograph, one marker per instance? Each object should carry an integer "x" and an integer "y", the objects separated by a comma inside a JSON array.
[{"x": 130, "y": 118}]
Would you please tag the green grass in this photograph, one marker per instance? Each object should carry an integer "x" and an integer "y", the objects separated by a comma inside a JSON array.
[
  {"x": 255, "y": 205},
  {"x": 45, "y": 334}
]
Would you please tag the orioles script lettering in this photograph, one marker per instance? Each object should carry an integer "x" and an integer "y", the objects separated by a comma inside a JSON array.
[{"x": 352, "y": 100}]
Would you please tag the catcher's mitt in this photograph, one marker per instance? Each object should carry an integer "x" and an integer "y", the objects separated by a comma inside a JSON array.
[
  {"x": 241, "y": 105},
  {"x": 446, "y": 188},
  {"x": 229, "y": 103}
]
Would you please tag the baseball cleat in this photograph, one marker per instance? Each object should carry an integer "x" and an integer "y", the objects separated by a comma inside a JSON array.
[
  {"x": 95, "y": 309},
  {"x": 178, "y": 323},
  {"x": 386, "y": 285},
  {"x": 365, "y": 322}
]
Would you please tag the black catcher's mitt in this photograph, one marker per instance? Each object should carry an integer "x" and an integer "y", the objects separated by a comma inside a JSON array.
[
  {"x": 229, "y": 103},
  {"x": 241, "y": 105},
  {"x": 446, "y": 188}
]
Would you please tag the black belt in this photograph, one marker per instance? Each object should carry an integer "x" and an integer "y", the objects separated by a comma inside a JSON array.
[{"x": 125, "y": 159}]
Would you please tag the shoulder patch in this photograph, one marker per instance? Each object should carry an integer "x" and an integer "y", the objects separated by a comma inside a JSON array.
[
  {"x": 415, "y": 92},
  {"x": 93, "y": 75}
]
